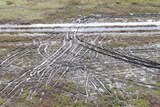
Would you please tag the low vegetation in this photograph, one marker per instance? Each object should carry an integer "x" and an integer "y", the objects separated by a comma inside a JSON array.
[
  {"x": 49, "y": 11},
  {"x": 2, "y": 100},
  {"x": 13, "y": 39},
  {"x": 54, "y": 99},
  {"x": 64, "y": 94},
  {"x": 141, "y": 103},
  {"x": 124, "y": 41}
]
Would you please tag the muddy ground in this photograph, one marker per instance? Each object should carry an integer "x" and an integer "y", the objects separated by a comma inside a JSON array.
[{"x": 112, "y": 82}]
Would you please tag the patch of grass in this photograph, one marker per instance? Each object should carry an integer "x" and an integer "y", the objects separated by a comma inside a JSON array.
[
  {"x": 62, "y": 10},
  {"x": 25, "y": 94},
  {"x": 9, "y": 2},
  {"x": 56, "y": 98},
  {"x": 14, "y": 39},
  {"x": 116, "y": 45},
  {"x": 108, "y": 101},
  {"x": 23, "y": 102},
  {"x": 118, "y": 2},
  {"x": 2, "y": 100},
  {"x": 62, "y": 100},
  {"x": 141, "y": 103},
  {"x": 131, "y": 89},
  {"x": 124, "y": 41},
  {"x": 157, "y": 84},
  {"x": 71, "y": 85},
  {"x": 156, "y": 92},
  {"x": 74, "y": 2}
]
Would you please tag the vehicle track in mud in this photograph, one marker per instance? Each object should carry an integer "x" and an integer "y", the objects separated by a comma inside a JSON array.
[{"x": 83, "y": 60}]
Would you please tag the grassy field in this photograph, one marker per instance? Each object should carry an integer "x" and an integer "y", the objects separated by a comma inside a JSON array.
[
  {"x": 13, "y": 39},
  {"x": 48, "y": 11}
]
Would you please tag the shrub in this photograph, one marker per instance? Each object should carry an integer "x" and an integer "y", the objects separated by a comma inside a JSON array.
[
  {"x": 2, "y": 100},
  {"x": 9, "y": 2},
  {"x": 74, "y": 2}
]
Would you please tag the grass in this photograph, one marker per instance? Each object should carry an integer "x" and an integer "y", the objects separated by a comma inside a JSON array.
[
  {"x": 157, "y": 84},
  {"x": 125, "y": 41},
  {"x": 141, "y": 103},
  {"x": 2, "y": 100},
  {"x": 156, "y": 93},
  {"x": 131, "y": 89},
  {"x": 54, "y": 99},
  {"x": 13, "y": 39},
  {"x": 62, "y": 10}
]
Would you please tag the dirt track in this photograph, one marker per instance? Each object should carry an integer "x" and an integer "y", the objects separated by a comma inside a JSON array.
[
  {"x": 83, "y": 59},
  {"x": 85, "y": 28}
]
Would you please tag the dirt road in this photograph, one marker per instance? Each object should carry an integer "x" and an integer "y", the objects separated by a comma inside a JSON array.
[{"x": 84, "y": 28}]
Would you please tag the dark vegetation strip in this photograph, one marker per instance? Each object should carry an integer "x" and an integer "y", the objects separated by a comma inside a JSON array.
[{"x": 14, "y": 39}]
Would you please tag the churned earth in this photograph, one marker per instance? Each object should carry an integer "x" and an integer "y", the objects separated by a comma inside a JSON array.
[
  {"x": 76, "y": 69},
  {"x": 56, "y": 70}
]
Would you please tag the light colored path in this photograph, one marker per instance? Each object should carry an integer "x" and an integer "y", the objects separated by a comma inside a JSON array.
[{"x": 84, "y": 27}]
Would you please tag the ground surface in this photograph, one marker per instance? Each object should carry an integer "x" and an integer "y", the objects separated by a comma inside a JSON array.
[
  {"x": 85, "y": 78},
  {"x": 57, "y": 11},
  {"x": 53, "y": 70}
]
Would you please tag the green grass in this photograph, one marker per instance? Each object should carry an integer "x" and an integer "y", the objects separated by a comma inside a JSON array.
[
  {"x": 48, "y": 11},
  {"x": 141, "y": 103},
  {"x": 157, "y": 84},
  {"x": 156, "y": 93},
  {"x": 13, "y": 39},
  {"x": 53, "y": 99},
  {"x": 131, "y": 89},
  {"x": 125, "y": 41},
  {"x": 2, "y": 100}
]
